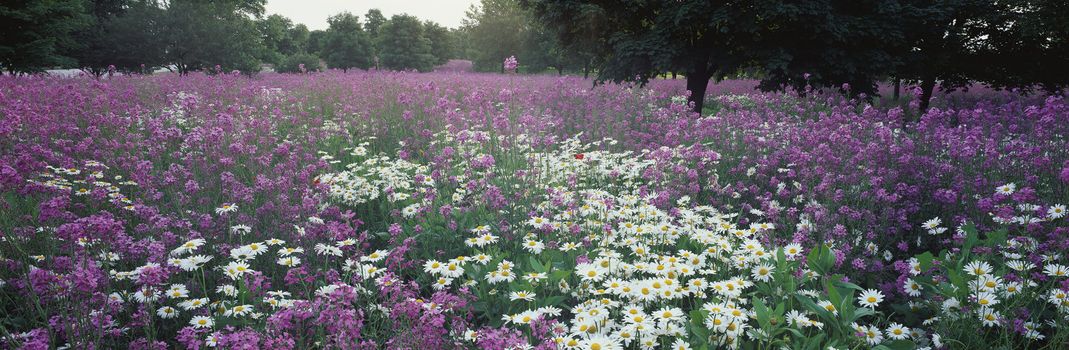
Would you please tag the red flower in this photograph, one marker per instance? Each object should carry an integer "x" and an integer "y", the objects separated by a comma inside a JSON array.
[{"x": 579, "y": 156}]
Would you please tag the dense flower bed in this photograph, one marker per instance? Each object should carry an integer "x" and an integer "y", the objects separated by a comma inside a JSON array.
[{"x": 399, "y": 210}]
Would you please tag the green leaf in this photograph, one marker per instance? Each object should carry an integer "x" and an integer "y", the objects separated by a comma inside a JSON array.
[
  {"x": 970, "y": 239},
  {"x": 535, "y": 265},
  {"x": 925, "y": 260},
  {"x": 834, "y": 296},
  {"x": 996, "y": 238},
  {"x": 697, "y": 323},
  {"x": 815, "y": 342},
  {"x": 812, "y": 306},
  {"x": 862, "y": 312},
  {"x": 553, "y": 300},
  {"x": 820, "y": 259},
  {"x": 762, "y": 313},
  {"x": 957, "y": 279}
]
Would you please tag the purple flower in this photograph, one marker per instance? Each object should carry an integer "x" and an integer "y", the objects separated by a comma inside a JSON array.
[{"x": 511, "y": 63}]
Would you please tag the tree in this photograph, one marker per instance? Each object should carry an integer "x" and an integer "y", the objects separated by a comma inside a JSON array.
[
  {"x": 299, "y": 36},
  {"x": 585, "y": 45},
  {"x": 374, "y": 20},
  {"x": 204, "y": 34},
  {"x": 543, "y": 50},
  {"x": 645, "y": 39},
  {"x": 124, "y": 34},
  {"x": 35, "y": 34},
  {"x": 275, "y": 35},
  {"x": 817, "y": 43},
  {"x": 316, "y": 38},
  {"x": 496, "y": 29},
  {"x": 282, "y": 38},
  {"x": 131, "y": 41},
  {"x": 461, "y": 39},
  {"x": 952, "y": 44},
  {"x": 793, "y": 44},
  {"x": 345, "y": 44},
  {"x": 1025, "y": 44},
  {"x": 91, "y": 50},
  {"x": 845, "y": 45},
  {"x": 403, "y": 45},
  {"x": 939, "y": 44},
  {"x": 441, "y": 42}
]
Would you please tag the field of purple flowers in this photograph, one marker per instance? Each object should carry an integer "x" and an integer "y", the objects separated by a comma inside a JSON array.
[{"x": 442, "y": 210}]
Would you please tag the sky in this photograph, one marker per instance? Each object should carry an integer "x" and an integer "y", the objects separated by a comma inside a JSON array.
[{"x": 314, "y": 13}]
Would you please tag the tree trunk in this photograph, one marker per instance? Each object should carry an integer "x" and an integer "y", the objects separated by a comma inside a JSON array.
[
  {"x": 673, "y": 75},
  {"x": 697, "y": 82},
  {"x": 927, "y": 87}
]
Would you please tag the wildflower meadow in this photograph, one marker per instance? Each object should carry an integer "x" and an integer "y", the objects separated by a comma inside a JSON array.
[{"x": 393, "y": 210}]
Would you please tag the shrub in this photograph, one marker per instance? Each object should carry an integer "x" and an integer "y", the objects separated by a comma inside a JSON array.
[{"x": 294, "y": 63}]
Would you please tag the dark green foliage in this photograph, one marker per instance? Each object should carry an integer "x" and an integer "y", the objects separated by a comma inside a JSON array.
[
  {"x": 1020, "y": 43},
  {"x": 281, "y": 38},
  {"x": 461, "y": 39},
  {"x": 496, "y": 30},
  {"x": 951, "y": 44},
  {"x": 641, "y": 40},
  {"x": 403, "y": 45},
  {"x": 316, "y": 38},
  {"x": 201, "y": 35},
  {"x": 819, "y": 43},
  {"x": 125, "y": 35},
  {"x": 34, "y": 34},
  {"x": 441, "y": 42},
  {"x": 298, "y": 40},
  {"x": 139, "y": 36},
  {"x": 292, "y": 63},
  {"x": 345, "y": 44},
  {"x": 92, "y": 45},
  {"x": 373, "y": 20},
  {"x": 831, "y": 44}
]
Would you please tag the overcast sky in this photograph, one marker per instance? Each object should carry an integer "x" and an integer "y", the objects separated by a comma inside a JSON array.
[{"x": 314, "y": 13}]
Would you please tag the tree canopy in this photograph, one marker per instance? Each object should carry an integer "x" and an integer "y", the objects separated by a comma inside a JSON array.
[
  {"x": 403, "y": 45},
  {"x": 35, "y": 34},
  {"x": 345, "y": 44},
  {"x": 829, "y": 45},
  {"x": 846, "y": 45}
]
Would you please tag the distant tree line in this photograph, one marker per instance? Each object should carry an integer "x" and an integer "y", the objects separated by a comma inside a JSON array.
[
  {"x": 833, "y": 44},
  {"x": 139, "y": 36},
  {"x": 846, "y": 45}
]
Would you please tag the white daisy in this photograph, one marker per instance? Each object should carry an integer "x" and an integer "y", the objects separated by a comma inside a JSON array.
[
  {"x": 870, "y": 298},
  {"x": 167, "y": 312},
  {"x": 201, "y": 322}
]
